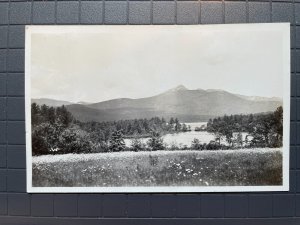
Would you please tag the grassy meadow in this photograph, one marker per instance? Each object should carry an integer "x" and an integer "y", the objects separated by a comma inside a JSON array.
[{"x": 160, "y": 168}]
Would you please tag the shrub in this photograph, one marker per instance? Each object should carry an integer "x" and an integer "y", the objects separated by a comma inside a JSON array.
[
  {"x": 44, "y": 138},
  {"x": 137, "y": 145},
  {"x": 196, "y": 144},
  {"x": 117, "y": 143},
  {"x": 74, "y": 140},
  {"x": 155, "y": 142}
]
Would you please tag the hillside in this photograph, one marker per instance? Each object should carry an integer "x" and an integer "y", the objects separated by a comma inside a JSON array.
[
  {"x": 50, "y": 102},
  {"x": 187, "y": 105}
]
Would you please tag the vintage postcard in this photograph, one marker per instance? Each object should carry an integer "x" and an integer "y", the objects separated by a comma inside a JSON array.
[{"x": 197, "y": 108}]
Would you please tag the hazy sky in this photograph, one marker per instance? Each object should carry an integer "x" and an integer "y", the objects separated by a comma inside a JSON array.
[{"x": 104, "y": 62}]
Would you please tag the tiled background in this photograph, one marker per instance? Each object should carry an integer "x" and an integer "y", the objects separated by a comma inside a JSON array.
[{"x": 17, "y": 207}]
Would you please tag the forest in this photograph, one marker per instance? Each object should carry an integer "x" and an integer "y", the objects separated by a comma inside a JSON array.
[
  {"x": 56, "y": 131},
  {"x": 265, "y": 129}
]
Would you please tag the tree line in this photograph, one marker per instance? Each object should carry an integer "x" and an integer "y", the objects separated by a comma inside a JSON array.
[
  {"x": 56, "y": 131},
  {"x": 263, "y": 130},
  {"x": 136, "y": 128}
]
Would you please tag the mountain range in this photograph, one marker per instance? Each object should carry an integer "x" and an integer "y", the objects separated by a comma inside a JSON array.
[{"x": 187, "y": 105}]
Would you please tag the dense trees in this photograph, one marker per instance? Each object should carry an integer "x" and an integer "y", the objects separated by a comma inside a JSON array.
[
  {"x": 267, "y": 130},
  {"x": 46, "y": 114},
  {"x": 102, "y": 131},
  {"x": 55, "y": 131},
  {"x": 264, "y": 129}
]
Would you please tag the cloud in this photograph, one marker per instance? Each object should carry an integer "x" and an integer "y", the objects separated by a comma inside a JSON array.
[{"x": 136, "y": 62}]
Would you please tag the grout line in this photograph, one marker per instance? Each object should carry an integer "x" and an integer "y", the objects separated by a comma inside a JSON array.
[
  {"x": 247, "y": 199},
  {"x": 126, "y": 205},
  {"x": 53, "y": 201},
  {"x": 12, "y": 120},
  {"x": 14, "y": 72},
  {"x": 282, "y": 1},
  {"x": 151, "y": 210},
  {"x": 176, "y": 10},
  {"x": 200, "y": 204},
  {"x": 271, "y": 11},
  {"x": 224, "y": 205},
  {"x": 77, "y": 205},
  {"x": 175, "y": 209},
  {"x": 103, "y": 12},
  {"x": 127, "y": 12},
  {"x": 13, "y": 96},
  {"x": 272, "y": 209},
  {"x": 12, "y": 144},
  {"x": 247, "y": 11},
  {"x": 55, "y": 11},
  {"x": 79, "y": 13},
  {"x": 223, "y": 11},
  {"x": 151, "y": 12},
  {"x": 100, "y": 198},
  {"x": 30, "y": 202},
  {"x": 199, "y": 13},
  {"x": 6, "y": 102},
  {"x": 31, "y": 13},
  {"x": 135, "y": 219},
  {"x": 20, "y": 24}
]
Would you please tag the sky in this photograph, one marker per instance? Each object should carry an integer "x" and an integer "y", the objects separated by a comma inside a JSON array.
[{"x": 99, "y": 63}]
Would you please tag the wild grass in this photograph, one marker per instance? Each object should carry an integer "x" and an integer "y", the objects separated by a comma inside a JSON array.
[{"x": 160, "y": 168}]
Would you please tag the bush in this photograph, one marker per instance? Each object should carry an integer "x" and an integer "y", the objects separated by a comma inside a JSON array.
[
  {"x": 44, "y": 138},
  {"x": 117, "y": 143},
  {"x": 196, "y": 144},
  {"x": 155, "y": 142},
  {"x": 74, "y": 140},
  {"x": 137, "y": 145},
  {"x": 174, "y": 146},
  {"x": 100, "y": 147}
]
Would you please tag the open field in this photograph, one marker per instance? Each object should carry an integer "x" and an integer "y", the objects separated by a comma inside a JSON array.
[{"x": 160, "y": 168}]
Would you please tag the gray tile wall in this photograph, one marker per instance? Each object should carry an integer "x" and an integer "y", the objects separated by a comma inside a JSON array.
[{"x": 17, "y": 207}]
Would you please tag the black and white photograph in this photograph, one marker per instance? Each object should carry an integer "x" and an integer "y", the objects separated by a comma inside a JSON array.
[{"x": 191, "y": 108}]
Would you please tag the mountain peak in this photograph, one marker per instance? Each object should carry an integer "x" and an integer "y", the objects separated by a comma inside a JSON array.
[{"x": 179, "y": 88}]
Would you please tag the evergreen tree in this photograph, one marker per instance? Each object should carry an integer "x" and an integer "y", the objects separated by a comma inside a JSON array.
[
  {"x": 35, "y": 114},
  {"x": 278, "y": 125},
  {"x": 155, "y": 142},
  {"x": 171, "y": 122},
  {"x": 51, "y": 115},
  {"x": 44, "y": 109},
  {"x": 64, "y": 116},
  {"x": 239, "y": 140},
  {"x": 116, "y": 142},
  {"x": 177, "y": 125}
]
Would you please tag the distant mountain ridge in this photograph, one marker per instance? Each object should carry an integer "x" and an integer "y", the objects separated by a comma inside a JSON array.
[
  {"x": 50, "y": 102},
  {"x": 187, "y": 105}
]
